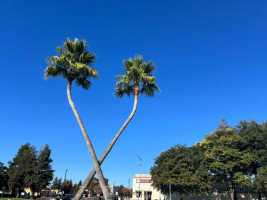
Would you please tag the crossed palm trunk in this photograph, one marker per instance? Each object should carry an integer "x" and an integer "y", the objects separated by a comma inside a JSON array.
[
  {"x": 108, "y": 149},
  {"x": 89, "y": 144},
  {"x": 73, "y": 64}
]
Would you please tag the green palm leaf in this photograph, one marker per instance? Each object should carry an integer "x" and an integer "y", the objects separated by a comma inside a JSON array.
[
  {"x": 73, "y": 63},
  {"x": 138, "y": 77}
]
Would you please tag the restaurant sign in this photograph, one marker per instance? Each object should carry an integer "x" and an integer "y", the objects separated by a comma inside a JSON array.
[{"x": 143, "y": 181}]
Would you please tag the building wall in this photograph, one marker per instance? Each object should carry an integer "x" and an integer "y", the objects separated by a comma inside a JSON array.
[{"x": 145, "y": 188}]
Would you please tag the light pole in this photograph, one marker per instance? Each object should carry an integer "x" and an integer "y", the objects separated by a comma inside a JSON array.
[{"x": 139, "y": 175}]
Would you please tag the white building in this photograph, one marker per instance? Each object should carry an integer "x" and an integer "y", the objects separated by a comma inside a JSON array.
[{"x": 142, "y": 183}]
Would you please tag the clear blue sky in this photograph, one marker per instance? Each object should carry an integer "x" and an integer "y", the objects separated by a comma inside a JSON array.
[{"x": 211, "y": 59}]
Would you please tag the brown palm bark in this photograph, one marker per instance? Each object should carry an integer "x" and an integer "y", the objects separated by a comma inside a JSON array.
[
  {"x": 89, "y": 144},
  {"x": 108, "y": 149}
]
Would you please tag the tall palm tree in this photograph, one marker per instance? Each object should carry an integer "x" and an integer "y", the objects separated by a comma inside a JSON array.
[
  {"x": 73, "y": 64},
  {"x": 138, "y": 78}
]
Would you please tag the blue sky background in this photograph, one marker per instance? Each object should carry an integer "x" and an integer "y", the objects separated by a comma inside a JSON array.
[{"x": 211, "y": 64}]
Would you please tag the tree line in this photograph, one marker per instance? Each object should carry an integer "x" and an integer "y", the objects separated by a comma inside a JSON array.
[
  {"x": 28, "y": 169},
  {"x": 233, "y": 156},
  {"x": 66, "y": 186}
]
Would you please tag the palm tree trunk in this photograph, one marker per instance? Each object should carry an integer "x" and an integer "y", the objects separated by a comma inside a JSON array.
[
  {"x": 89, "y": 144},
  {"x": 108, "y": 149}
]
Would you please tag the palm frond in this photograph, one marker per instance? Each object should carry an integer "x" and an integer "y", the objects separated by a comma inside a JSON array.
[
  {"x": 82, "y": 81},
  {"x": 52, "y": 72},
  {"x": 74, "y": 61},
  {"x": 137, "y": 74},
  {"x": 86, "y": 71},
  {"x": 149, "y": 89},
  {"x": 148, "y": 67},
  {"x": 148, "y": 79},
  {"x": 122, "y": 91}
]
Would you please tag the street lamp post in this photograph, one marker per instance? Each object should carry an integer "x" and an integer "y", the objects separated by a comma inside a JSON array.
[{"x": 139, "y": 175}]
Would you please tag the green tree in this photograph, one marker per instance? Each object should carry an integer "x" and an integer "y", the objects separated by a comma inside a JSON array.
[
  {"x": 56, "y": 184},
  {"x": 256, "y": 136},
  {"x": 91, "y": 186},
  {"x": 74, "y": 64},
  {"x": 22, "y": 168},
  {"x": 226, "y": 158},
  {"x": 67, "y": 186},
  {"x": 124, "y": 192},
  {"x": 138, "y": 79},
  {"x": 45, "y": 171},
  {"x": 76, "y": 187},
  {"x": 120, "y": 192},
  {"x": 28, "y": 169},
  {"x": 3, "y": 176},
  {"x": 184, "y": 167},
  {"x": 259, "y": 181}
]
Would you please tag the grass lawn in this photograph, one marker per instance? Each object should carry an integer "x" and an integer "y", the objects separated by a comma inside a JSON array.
[{"x": 11, "y": 198}]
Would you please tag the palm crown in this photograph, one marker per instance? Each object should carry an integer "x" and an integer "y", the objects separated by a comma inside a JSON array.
[
  {"x": 73, "y": 63},
  {"x": 138, "y": 78}
]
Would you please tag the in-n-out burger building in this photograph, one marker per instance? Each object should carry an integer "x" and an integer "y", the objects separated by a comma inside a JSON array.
[{"x": 147, "y": 192}]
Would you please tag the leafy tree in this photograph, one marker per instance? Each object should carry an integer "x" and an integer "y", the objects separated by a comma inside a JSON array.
[
  {"x": 94, "y": 187},
  {"x": 30, "y": 170},
  {"x": 3, "y": 176},
  {"x": 124, "y": 192},
  {"x": 45, "y": 171},
  {"x": 120, "y": 193},
  {"x": 223, "y": 124},
  {"x": 138, "y": 78},
  {"x": 226, "y": 158},
  {"x": 74, "y": 64},
  {"x": 56, "y": 184},
  {"x": 91, "y": 186},
  {"x": 76, "y": 187},
  {"x": 98, "y": 190},
  {"x": 256, "y": 136},
  {"x": 183, "y": 166},
  {"x": 22, "y": 168},
  {"x": 67, "y": 186},
  {"x": 259, "y": 181}
]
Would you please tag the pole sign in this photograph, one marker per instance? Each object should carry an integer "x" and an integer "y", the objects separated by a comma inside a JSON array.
[{"x": 3, "y": 189}]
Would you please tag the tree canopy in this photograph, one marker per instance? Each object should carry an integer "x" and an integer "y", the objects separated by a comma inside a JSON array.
[
  {"x": 28, "y": 169},
  {"x": 73, "y": 63},
  {"x": 234, "y": 156},
  {"x": 3, "y": 176},
  {"x": 138, "y": 78},
  {"x": 184, "y": 168}
]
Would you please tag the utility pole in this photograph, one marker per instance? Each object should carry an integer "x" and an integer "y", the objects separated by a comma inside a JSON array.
[{"x": 140, "y": 175}]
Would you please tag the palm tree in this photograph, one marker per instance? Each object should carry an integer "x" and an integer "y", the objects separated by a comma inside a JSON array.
[
  {"x": 138, "y": 78},
  {"x": 74, "y": 65}
]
